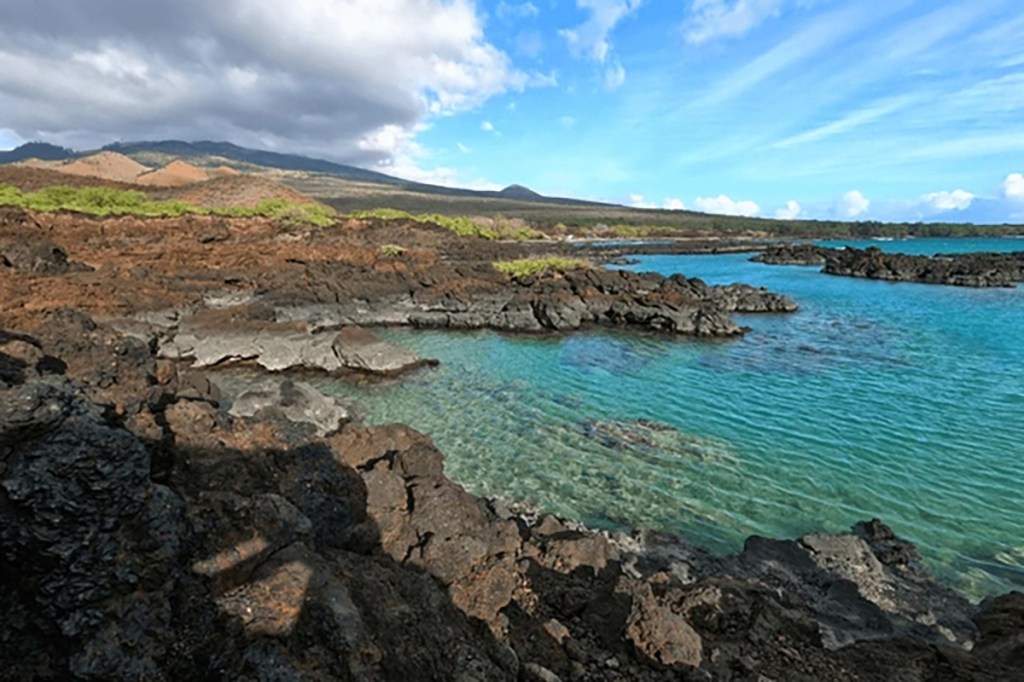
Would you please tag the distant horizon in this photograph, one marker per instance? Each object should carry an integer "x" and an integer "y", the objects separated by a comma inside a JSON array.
[{"x": 109, "y": 146}]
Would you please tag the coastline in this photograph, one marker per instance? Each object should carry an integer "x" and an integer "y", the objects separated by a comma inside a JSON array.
[{"x": 308, "y": 551}]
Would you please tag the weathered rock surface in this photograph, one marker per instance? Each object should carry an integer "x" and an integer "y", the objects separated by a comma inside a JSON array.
[
  {"x": 283, "y": 347},
  {"x": 552, "y": 301},
  {"x": 296, "y": 402},
  {"x": 251, "y": 549},
  {"x": 793, "y": 254},
  {"x": 24, "y": 247},
  {"x": 968, "y": 269}
]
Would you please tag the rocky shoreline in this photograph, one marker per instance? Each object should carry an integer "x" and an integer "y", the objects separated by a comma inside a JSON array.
[
  {"x": 967, "y": 270},
  {"x": 151, "y": 532},
  {"x": 153, "y": 529}
]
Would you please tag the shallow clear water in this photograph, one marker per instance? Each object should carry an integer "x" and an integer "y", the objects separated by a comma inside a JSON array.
[{"x": 900, "y": 401}]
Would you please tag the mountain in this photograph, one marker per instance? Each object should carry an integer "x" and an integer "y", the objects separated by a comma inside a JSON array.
[
  {"x": 256, "y": 157},
  {"x": 37, "y": 150},
  {"x": 317, "y": 177},
  {"x": 519, "y": 192}
]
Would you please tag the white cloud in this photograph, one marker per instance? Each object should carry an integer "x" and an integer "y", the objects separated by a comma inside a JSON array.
[
  {"x": 487, "y": 126},
  {"x": 720, "y": 19},
  {"x": 463, "y": 148},
  {"x": 521, "y": 10},
  {"x": 567, "y": 121},
  {"x": 818, "y": 35},
  {"x": 724, "y": 205},
  {"x": 590, "y": 39},
  {"x": 614, "y": 77},
  {"x": 853, "y": 204},
  {"x": 957, "y": 200},
  {"x": 327, "y": 77},
  {"x": 638, "y": 201},
  {"x": 1013, "y": 187},
  {"x": 849, "y": 122},
  {"x": 674, "y": 204},
  {"x": 790, "y": 211}
]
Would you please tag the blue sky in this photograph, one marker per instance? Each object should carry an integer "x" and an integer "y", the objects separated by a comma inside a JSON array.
[
  {"x": 896, "y": 110},
  {"x": 849, "y": 109}
]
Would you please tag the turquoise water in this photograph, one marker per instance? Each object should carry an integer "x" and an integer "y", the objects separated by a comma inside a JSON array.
[
  {"x": 900, "y": 401},
  {"x": 932, "y": 246}
]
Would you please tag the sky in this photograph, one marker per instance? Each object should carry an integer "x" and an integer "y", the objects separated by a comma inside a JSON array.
[{"x": 831, "y": 109}]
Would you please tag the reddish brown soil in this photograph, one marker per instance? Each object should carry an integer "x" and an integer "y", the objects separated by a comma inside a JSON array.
[
  {"x": 150, "y": 264},
  {"x": 174, "y": 174}
]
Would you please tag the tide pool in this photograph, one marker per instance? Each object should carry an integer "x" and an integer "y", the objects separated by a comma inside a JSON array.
[{"x": 898, "y": 401}]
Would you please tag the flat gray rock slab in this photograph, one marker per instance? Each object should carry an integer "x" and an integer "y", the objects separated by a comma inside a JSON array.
[
  {"x": 284, "y": 349},
  {"x": 295, "y": 401}
]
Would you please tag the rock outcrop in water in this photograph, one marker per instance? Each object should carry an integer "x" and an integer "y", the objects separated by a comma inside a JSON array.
[
  {"x": 145, "y": 533},
  {"x": 968, "y": 269}
]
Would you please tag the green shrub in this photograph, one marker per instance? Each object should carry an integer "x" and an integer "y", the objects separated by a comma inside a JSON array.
[
  {"x": 525, "y": 267},
  {"x": 391, "y": 250},
  {"x": 498, "y": 228},
  {"x": 105, "y": 201}
]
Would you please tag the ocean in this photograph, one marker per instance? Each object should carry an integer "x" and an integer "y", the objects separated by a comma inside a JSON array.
[{"x": 898, "y": 401}]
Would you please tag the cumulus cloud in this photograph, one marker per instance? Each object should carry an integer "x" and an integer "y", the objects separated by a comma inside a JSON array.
[
  {"x": 723, "y": 205},
  {"x": 674, "y": 204},
  {"x": 711, "y": 19},
  {"x": 853, "y": 204},
  {"x": 1013, "y": 187},
  {"x": 957, "y": 200},
  {"x": 790, "y": 211},
  {"x": 338, "y": 78},
  {"x": 590, "y": 39},
  {"x": 638, "y": 201},
  {"x": 487, "y": 127}
]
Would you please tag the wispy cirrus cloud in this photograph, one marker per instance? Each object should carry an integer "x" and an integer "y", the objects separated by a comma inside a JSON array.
[
  {"x": 824, "y": 32},
  {"x": 849, "y": 122},
  {"x": 711, "y": 19}
]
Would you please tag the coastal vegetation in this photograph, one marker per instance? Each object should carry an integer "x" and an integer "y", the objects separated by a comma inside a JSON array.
[
  {"x": 107, "y": 201},
  {"x": 391, "y": 250},
  {"x": 487, "y": 228},
  {"x": 525, "y": 267}
]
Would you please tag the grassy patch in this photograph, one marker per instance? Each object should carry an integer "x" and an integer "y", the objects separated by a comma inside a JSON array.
[
  {"x": 105, "y": 201},
  {"x": 391, "y": 250},
  {"x": 525, "y": 267},
  {"x": 485, "y": 228}
]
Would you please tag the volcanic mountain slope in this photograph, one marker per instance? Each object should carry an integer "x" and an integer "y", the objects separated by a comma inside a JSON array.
[{"x": 226, "y": 189}]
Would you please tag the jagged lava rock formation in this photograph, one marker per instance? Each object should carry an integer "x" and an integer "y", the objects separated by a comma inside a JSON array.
[{"x": 146, "y": 533}]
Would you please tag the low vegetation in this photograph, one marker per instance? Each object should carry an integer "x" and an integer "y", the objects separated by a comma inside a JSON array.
[
  {"x": 105, "y": 201},
  {"x": 391, "y": 250},
  {"x": 602, "y": 220},
  {"x": 525, "y": 267},
  {"x": 486, "y": 228}
]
